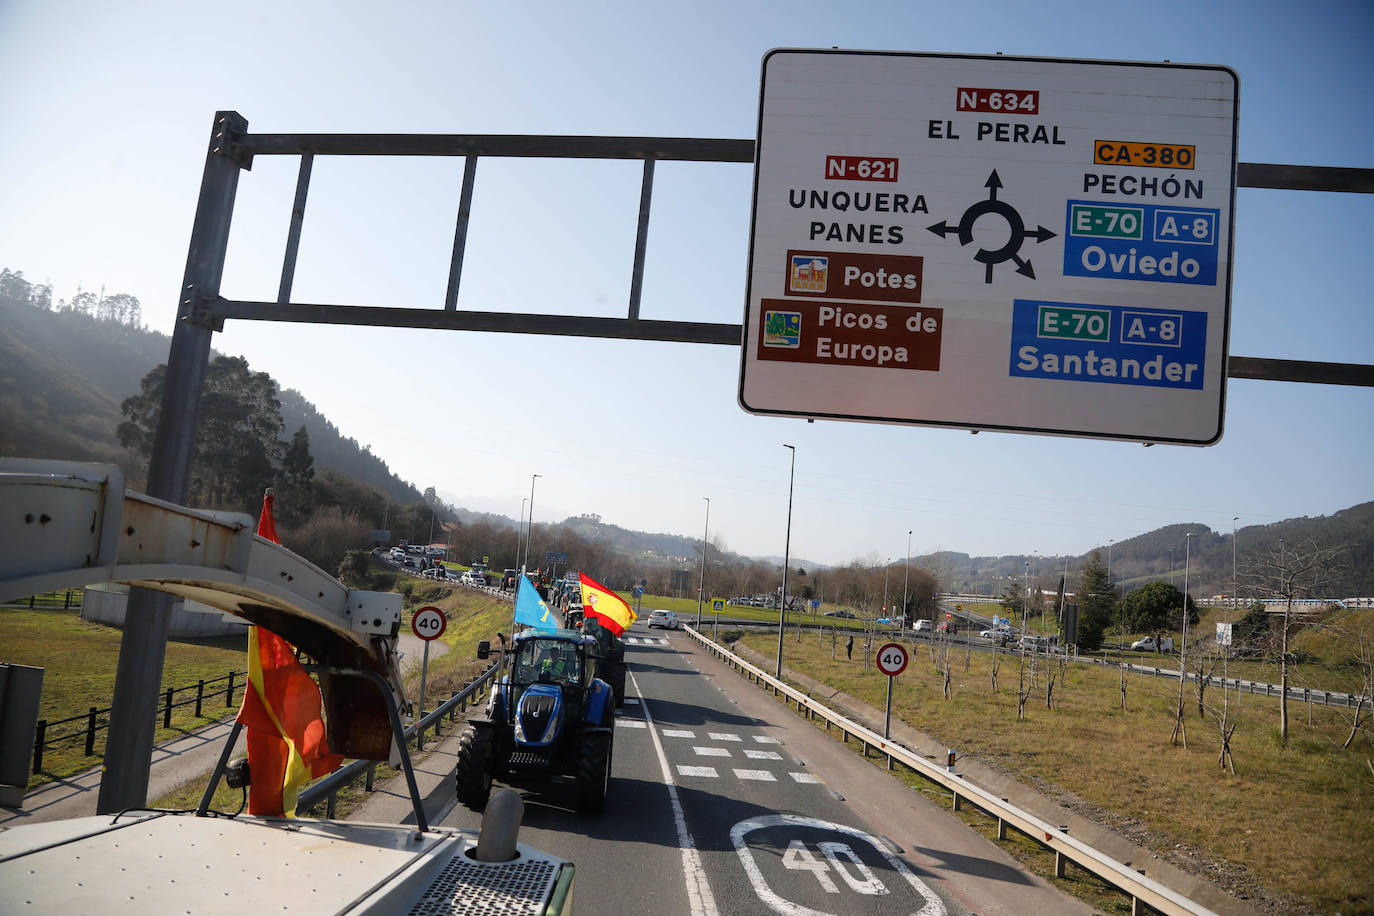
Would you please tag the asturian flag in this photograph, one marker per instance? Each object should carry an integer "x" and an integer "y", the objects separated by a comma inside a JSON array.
[{"x": 530, "y": 609}]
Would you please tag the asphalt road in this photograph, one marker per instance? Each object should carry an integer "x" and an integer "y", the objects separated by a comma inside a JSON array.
[{"x": 722, "y": 802}]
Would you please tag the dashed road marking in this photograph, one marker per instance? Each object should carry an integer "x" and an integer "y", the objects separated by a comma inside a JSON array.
[
  {"x": 756, "y": 775},
  {"x": 709, "y": 772}
]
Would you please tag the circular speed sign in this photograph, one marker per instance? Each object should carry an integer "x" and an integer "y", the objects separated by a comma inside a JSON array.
[
  {"x": 892, "y": 659},
  {"x": 429, "y": 622}
]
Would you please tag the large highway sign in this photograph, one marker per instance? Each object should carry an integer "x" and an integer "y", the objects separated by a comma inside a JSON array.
[{"x": 992, "y": 243}]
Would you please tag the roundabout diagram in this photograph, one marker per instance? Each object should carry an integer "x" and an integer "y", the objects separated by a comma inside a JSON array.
[{"x": 1017, "y": 234}]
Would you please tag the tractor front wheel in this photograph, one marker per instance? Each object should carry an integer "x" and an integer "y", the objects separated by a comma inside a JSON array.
[
  {"x": 593, "y": 771},
  {"x": 472, "y": 778}
]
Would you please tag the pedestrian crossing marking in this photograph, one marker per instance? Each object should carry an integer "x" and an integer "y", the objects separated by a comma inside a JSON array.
[
  {"x": 764, "y": 739},
  {"x": 631, "y": 723},
  {"x": 647, "y": 641},
  {"x": 709, "y": 772},
  {"x": 761, "y": 755},
  {"x": 755, "y": 775},
  {"x": 804, "y": 778},
  {"x": 723, "y": 736},
  {"x": 711, "y": 751},
  {"x": 678, "y": 733}
]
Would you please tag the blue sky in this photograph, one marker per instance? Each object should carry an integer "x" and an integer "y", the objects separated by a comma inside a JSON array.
[{"x": 106, "y": 109}]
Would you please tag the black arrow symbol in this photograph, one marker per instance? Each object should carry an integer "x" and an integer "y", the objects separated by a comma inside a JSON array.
[
  {"x": 1040, "y": 234},
  {"x": 1024, "y": 267},
  {"x": 943, "y": 230},
  {"x": 992, "y": 184}
]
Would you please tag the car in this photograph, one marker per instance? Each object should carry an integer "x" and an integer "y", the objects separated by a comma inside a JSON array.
[
  {"x": 924, "y": 626},
  {"x": 665, "y": 619},
  {"x": 843, "y": 614},
  {"x": 1151, "y": 644},
  {"x": 473, "y": 578}
]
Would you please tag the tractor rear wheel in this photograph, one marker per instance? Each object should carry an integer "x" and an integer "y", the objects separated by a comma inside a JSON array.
[
  {"x": 593, "y": 771},
  {"x": 472, "y": 778}
]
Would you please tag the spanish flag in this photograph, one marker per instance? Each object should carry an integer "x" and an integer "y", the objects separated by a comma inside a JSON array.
[
  {"x": 281, "y": 711},
  {"x": 604, "y": 605}
]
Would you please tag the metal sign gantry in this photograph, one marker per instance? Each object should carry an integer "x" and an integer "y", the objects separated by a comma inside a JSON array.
[{"x": 202, "y": 311}]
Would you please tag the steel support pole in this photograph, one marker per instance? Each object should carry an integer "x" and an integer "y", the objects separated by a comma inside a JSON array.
[
  {"x": 142, "y": 649},
  {"x": 786, "y": 558}
]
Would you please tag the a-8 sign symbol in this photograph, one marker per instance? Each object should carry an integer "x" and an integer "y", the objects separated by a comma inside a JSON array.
[
  {"x": 429, "y": 623},
  {"x": 892, "y": 659}
]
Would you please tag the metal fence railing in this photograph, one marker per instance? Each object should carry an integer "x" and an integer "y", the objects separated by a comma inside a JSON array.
[
  {"x": 97, "y": 720},
  {"x": 327, "y": 789},
  {"x": 1066, "y": 848}
]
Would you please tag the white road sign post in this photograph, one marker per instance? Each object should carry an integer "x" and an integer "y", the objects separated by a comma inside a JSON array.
[
  {"x": 995, "y": 243},
  {"x": 428, "y": 623},
  {"x": 892, "y": 660}
]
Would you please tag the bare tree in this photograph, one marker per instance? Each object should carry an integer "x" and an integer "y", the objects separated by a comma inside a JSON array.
[{"x": 1291, "y": 573}]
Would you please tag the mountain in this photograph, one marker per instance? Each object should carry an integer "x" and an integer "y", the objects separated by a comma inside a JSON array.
[{"x": 1156, "y": 554}]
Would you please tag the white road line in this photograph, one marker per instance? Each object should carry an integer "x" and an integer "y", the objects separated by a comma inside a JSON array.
[
  {"x": 805, "y": 778},
  {"x": 699, "y": 897},
  {"x": 685, "y": 770},
  {"x": 678, "y": 733},
  {"x": 722, "y": 736},
  {"x": 630, "y": 723},
  {"x": 631, "y": 701},
  {"x": 711, "y": 751},
  {"x": 761, "y": 755},
  {"x": 764, "y": 739},
  {"x": 756, "y": 775}
]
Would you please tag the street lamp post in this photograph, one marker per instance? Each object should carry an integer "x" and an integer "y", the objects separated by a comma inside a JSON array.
[
  {"x": 906, "y": 579},
  {"x": 786, "y": 558},
  {"x": 887, "y": 567},
  {"x": 519, "y": 532},
  {"x": 529, "y": 526},
  {"x": 1234, "y": 519},
  {"x": 701, "y": 585},
  {"x": 1025, "y": 604},
  {"x": 1171, "y": 565},
  {"x": 1183, "y": 648}
]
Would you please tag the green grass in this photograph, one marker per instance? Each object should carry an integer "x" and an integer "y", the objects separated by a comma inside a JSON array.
[
  {"x": 1300, "y": 818},
  {"x": 79, "y": 660},
  {"x": 686, "y": 608}
]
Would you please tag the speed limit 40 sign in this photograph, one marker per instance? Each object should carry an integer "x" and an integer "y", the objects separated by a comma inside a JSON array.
[
  {"x": 429, "y": 622},
  {"x": 892, "y": 659}
]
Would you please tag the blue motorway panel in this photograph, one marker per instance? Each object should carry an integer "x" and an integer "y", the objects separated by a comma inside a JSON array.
[{"x": 1108, "y": 344}]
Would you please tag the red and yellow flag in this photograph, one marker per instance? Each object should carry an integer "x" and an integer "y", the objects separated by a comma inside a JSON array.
[
  {"x": 281, "y": 711},
  {"x": 604, "y": 605}
]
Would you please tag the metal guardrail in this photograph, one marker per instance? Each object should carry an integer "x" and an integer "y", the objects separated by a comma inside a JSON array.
[
  {"x": 327, "y": 789},
  {"x": 1141, "y": 889},
  {"x": 1260, "y": 688}
]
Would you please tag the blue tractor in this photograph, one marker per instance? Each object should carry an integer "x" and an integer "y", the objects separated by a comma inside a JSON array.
[{"x": 549, "y": 715}]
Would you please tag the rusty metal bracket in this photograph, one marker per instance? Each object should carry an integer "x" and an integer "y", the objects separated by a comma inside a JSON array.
[
  {"x": 230, "y": 139},
  {"x": 197, "y": 307}
]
